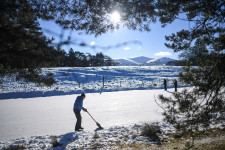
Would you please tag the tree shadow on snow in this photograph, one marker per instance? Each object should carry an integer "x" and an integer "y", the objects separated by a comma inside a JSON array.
[{"x": 172, "y": 92}]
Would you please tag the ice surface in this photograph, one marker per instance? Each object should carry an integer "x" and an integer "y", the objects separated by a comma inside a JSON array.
[{"x": 54, "y": 115}]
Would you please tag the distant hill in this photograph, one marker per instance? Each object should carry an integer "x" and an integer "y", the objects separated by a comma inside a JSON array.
[
  {"x": 159, "y": 61},
  {"x": 142, "y": 60},
  {"x": 125, "y": 62}
]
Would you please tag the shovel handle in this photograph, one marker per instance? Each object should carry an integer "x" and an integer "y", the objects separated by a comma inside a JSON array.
[{"x": 91, "y": 116}]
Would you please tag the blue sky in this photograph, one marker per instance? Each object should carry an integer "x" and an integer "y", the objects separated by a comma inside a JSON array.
[{"x": 150, "y": 44}]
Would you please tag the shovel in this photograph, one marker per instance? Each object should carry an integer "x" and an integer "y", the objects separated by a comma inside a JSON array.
[{"x": 100, "y": 127}]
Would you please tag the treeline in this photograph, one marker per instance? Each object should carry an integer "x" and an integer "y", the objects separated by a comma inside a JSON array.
[
  {"x": 176, "y": 63},
  {"x": 79, "y": 59}
]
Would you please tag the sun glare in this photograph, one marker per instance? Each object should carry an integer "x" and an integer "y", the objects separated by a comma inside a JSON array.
[{"x": 115, "y": 17}]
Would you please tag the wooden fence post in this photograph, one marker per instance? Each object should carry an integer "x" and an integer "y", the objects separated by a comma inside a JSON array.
[{"x": 1, "y": 83}]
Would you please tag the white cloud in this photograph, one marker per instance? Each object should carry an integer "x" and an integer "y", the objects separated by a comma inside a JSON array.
[
  {"x": 139, "y": 47},
  {"x": 92, "y": 43},
  {"x": 126, "y": 48},
  {"x": 163, "y": 54}
]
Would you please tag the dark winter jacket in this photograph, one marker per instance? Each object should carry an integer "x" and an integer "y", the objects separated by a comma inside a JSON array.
[{"x": 78, "y": 104}]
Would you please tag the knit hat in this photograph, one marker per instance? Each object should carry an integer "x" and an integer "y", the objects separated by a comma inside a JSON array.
[{"x": 83, "y": 95}]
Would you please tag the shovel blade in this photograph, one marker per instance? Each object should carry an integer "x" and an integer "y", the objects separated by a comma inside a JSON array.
[{"x": 100, "y": 127}]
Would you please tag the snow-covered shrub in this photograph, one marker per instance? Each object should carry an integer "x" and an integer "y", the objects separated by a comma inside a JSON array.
[
  {"x": 55, "y": 142},
  {"x": 96, "y": 136},
  {"x": 151, "y": 130}
]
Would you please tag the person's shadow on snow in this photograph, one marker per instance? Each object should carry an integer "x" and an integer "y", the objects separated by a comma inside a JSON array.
[{"x": 65, "y": 140}]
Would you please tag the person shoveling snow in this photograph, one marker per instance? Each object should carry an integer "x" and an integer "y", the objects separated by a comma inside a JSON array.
[{"x": 78, "y": 106}]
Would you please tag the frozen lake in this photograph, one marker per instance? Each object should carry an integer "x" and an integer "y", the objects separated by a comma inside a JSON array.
[{"x": 54, "y": 115}]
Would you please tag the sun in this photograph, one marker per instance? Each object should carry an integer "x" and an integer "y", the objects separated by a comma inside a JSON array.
[{"x": 115, "y": 17}]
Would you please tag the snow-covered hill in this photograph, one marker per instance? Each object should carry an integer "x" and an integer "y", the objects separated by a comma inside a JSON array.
[
  {"x": 142, "y": 60},
  {"x": 125, "y": 62},
  {"x": 159, "y": 61}
]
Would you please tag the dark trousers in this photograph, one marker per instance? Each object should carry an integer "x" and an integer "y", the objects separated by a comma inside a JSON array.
[
  {"x": 79, "y": 118},
  {"x": 165, "y": 87}
]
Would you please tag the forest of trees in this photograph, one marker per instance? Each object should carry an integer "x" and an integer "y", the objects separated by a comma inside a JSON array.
[{"x": 79, "y": 59}]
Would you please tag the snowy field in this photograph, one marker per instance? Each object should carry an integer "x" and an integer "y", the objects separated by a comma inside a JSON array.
[
  {"x": 30, "y": 114},
  {"x": 90, "y": 80}
]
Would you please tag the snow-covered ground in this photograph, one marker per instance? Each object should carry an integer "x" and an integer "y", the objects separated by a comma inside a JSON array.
[
  {"x": 103, "y": 139},
  {"x": 37, "y": 120},
  {"x": 90, "y": 80},
  {"x": 32, "y": 115}
]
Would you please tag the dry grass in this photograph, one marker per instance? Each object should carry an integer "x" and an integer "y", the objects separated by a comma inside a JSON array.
[
  {"x": 211, "y": 141},
  {"x": 203, "y": 144}
]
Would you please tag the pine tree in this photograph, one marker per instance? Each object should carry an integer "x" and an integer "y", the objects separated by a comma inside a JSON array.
[
  {"x": 99, "y": 59},
  {"x": 202, "y": 45},
  {"x": 24, "y": 49},
  {"x": 60, "y": 57}
]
